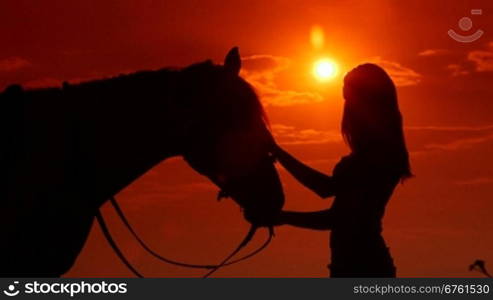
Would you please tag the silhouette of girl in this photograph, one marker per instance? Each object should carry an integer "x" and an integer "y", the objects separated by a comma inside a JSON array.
[{"x": 363, "y": 181}]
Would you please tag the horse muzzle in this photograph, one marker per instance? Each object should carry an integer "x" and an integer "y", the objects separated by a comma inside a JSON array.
[{"x": 260, "y": 195}]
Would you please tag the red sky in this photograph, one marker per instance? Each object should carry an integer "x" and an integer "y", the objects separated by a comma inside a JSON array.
[{"x": 436, "y": 224}]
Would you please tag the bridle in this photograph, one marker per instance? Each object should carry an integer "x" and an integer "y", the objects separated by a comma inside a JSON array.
[{"x": 211, "y": 268}]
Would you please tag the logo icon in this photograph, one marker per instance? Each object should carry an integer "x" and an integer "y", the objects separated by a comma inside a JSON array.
[
  {"x": 11, "y": 291},
  {"x": 465, "y": 24}
]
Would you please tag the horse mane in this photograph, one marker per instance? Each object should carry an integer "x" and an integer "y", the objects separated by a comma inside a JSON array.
[{"x": 190, "y": 81}]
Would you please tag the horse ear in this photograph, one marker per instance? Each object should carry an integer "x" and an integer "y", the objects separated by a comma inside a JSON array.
[{"x": 232, "y": 62}]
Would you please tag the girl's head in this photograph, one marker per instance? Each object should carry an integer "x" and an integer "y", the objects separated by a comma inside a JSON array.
[{"x": 372, "y": 122}]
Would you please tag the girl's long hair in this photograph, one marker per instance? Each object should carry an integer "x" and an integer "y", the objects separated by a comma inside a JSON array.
[{"x": 372, "y": 122}]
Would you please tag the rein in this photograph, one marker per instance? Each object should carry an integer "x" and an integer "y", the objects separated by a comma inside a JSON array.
[{"x": 212, "y": 268}]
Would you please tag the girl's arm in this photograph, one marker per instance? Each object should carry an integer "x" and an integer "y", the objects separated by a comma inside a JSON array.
[
  {"x": 318, "y": 182},
  {"x": 318, "y": 220}
]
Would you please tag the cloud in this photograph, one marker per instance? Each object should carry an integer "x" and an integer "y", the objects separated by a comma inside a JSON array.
[
  {"x": 475, "y": 181},
  {"x": 483, "y": 59},
  {"x": 457, "y": 70},
  {"x": 452, "y": 138},
  {"x": 13, "y": 63},
  {"x": 451, "y": 128},
  {"x": 461, "y": 143},
  {"x": 402, "y": 76},
  {"x": 261, "y": 71},
  {"x": 43, "y": 83},
  {"x": 264, "y": 65},
  {"x": 433, "y": 52},
  {"x": 289, "y": 135},
  {"x": 476, "y": 61}
]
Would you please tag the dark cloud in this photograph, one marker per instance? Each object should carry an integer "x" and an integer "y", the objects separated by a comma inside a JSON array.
[{"x": 13, "y": 64}]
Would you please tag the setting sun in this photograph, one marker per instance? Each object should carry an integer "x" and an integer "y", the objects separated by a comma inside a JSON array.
[{"x": 325, "y": 69}]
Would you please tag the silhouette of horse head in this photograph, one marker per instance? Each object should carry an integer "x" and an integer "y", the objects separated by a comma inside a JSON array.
[
  {"x": 68, "y": 150},
  {"x": 227, "y": 138}
]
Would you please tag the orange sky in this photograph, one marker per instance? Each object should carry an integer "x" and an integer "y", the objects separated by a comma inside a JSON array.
[{"x": 436, "y": 224}]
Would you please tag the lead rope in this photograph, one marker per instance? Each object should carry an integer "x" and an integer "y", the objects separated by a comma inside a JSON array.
[
  {"x": 244, "y": 243},
  {"x": 125, "y": 221},
  {"x": 213, "y": 268},
  {"x": 113, "y": 245}
]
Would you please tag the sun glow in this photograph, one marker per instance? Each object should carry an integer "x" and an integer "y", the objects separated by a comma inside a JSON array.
[
  {"x": 317, "y": 37},
  {"x": 325, "y": 69}
]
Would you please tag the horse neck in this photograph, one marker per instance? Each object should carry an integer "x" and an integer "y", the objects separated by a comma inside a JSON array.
[{"x": 125, "y": 128}]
